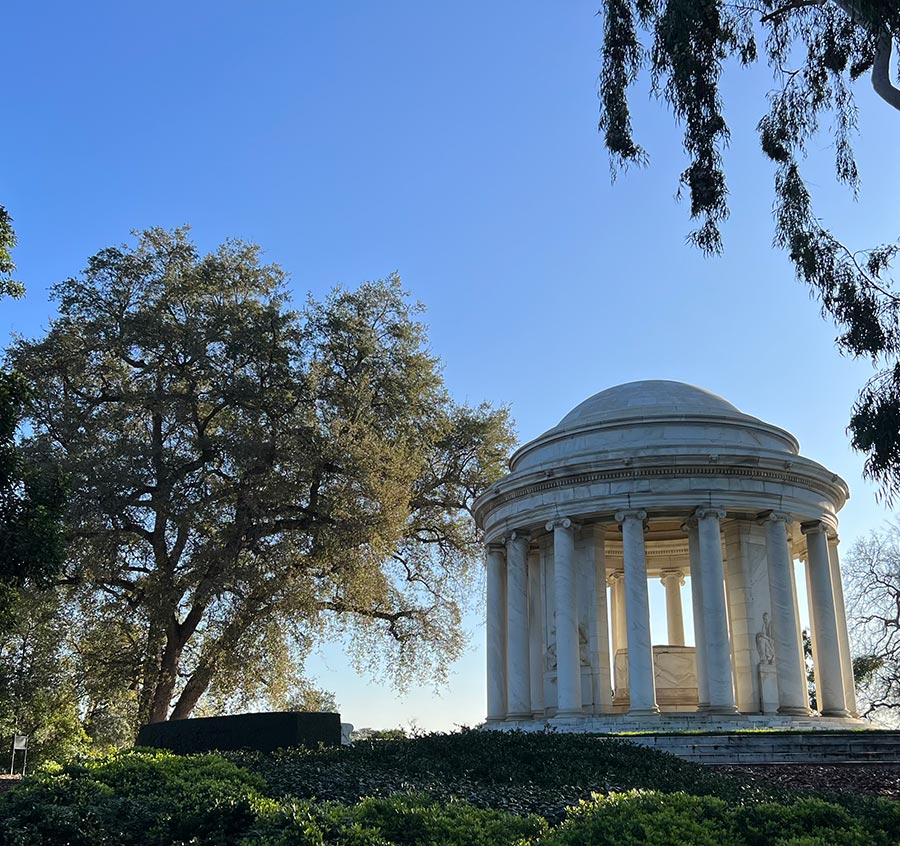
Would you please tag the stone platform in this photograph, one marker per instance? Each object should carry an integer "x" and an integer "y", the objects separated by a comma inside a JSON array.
[
  {"x": 741, "y": 739},
  {"x": 691, "y": 722}
]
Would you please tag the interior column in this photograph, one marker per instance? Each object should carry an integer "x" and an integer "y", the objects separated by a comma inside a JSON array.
[
  {"x": 693, "y": 533},
  {"x": 673, "y": 581},
  {"x": 496, "y": 632},
  {"x": 792, "y": 699},
  {"x": 600, "y": 629},
  {"x": 830, "y": 690},
  {"x": 641, "y": 680}
]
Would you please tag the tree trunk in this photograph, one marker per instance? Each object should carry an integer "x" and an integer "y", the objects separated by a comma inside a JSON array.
[{"x": 193, "y": 690}]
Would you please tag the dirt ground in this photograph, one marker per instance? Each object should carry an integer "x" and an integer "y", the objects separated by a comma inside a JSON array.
[{"x": 870, "y": 779}]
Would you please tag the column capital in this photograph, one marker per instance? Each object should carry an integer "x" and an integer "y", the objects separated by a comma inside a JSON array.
[
  {"x": 672, "y": 575},
  {"x": 631, "y": 514},
  {"x": 517, "y": 535},
  {"x": 709, "y": 511},
  {"x": 687, "y": 525},
  {"x": 814, "y": 527},
  {"x": 774, "y": 517},
  {"x": 496, "y": 546},
  {"x": 614, "y": 576},
  {"x": 560, "y": 523}
]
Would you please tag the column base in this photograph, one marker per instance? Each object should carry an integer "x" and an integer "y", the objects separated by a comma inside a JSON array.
[
  {"x": 568, "y": 715},
  {"x": 643, "y": 712},
  {"x": 518, "y": 717},
  {"x": 790, "y": 711},
  {"x": 843, "y": 713},
  {"x": 721, "y": 709}
]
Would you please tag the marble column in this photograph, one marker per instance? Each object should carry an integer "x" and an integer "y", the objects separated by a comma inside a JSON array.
[
  {"x": 673, "y": 581},
  {"x": 843, "y": 634},
  {"x": 535, "y": 634},
  {"x": 693, "y": 533},
  {"x": 830, "y": 682},
  {"x": 791, "y": 676},
  {"x": 641, "y": 680},
  {"x": 616, "y": 582},
  {"x": 719, "y": 673},
  {"x": 496, "y": 633},
  {"x": 518, "y": 668},
  {"x": 600, "y": 674},
  {"x": 568, "y": 669}
]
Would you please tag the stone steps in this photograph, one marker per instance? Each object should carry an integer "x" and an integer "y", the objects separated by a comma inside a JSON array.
[{"x": 768, "y": 748}]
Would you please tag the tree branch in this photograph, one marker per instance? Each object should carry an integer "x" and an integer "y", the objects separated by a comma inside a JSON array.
[{"x": 881, "y": 71}]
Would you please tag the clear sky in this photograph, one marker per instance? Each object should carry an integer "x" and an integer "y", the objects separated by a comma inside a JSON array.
[{"x": 457, "y": 144}]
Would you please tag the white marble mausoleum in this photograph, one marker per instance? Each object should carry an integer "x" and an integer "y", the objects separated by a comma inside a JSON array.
[{"x": 663, "y": 480}]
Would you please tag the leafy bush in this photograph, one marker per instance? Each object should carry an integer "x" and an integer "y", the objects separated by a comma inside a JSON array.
[
  {"x": 133, "y": 799},
  {"x": 656, "y": 819},
  {"x": 650, "y": 819},
  {"x": 402, "y": 820}
]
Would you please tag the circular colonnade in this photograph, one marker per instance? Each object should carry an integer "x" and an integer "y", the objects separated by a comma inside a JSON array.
[{"x": 664, "y": 480}]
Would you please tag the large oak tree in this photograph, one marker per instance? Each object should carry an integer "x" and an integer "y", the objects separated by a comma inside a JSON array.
[
  {"x": 818, "y": 50},
  {"x": 245, "y": 475}
]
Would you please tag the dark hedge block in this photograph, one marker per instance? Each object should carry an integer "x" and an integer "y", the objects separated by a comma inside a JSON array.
[{"x": 261, "y": 732}]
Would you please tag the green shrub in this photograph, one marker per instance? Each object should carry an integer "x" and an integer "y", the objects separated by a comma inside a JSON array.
[
  {"x": 133, "y": 799},
  {"x": 402, "y": 820},
  {"x": 803, "y": 822},
  {"x": 648, "y": 819}
]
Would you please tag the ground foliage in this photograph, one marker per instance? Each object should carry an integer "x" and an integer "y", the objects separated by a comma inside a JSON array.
[
  {"x": 520, "y": 772},
  {"x": 818, "y": 50},
  {"x": 870, "y": 779},
  {"x": 639, "y": 796},
  {"x": 249, "y": 477}
]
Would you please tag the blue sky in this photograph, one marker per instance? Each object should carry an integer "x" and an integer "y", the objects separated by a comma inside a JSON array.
[{"x": 457, "y": 144}]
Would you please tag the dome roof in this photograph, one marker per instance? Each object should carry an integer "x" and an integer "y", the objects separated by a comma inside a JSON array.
[
  {"x": 649, "y": 398},
  {"x": 653, "y": 418}
]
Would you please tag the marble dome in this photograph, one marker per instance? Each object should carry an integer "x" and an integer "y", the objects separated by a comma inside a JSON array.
[
  {"x": 649, "y": 398},
  {"x": 653, "y": 417}
]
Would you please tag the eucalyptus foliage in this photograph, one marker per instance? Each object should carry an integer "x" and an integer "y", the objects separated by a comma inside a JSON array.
[
  {"x": 818, "y": 50},
  {"x": 248, "y": 478}
]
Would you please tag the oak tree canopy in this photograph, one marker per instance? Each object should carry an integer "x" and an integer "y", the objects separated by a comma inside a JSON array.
[{"x": 247, "y": 478}]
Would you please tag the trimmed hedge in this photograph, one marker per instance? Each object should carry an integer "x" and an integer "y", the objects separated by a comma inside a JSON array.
[{"x": 263, "y": 732}]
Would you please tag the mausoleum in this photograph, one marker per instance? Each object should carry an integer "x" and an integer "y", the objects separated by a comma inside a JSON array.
[{"x": 663, "y": 480}]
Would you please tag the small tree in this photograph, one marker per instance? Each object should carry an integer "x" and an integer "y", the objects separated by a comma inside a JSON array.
[
  {"x": 247, "y": 478},
  {"x": 873, "y": 571}
]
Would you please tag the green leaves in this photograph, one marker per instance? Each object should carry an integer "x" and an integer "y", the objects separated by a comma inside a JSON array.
[{"x": 817, "y": 51}]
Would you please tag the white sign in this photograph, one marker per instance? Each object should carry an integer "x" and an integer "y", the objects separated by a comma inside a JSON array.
[{"x": 20, "y": 741}]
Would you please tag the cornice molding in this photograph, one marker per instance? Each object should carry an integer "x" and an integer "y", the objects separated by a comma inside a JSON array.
[{"x": 637, "y": 473}]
